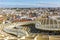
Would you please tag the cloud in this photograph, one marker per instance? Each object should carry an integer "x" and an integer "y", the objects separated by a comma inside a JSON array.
[{"x": 48, "y": 4}]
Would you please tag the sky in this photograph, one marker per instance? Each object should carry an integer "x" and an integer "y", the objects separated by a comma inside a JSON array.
[{"x": 29, "y": 3}]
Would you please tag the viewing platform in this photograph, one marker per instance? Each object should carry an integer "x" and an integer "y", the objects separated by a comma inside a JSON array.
[{"x": 51, "y": 23}]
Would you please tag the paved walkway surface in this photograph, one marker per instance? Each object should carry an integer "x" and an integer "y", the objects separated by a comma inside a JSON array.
[{"x": 4, "y": 35}]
